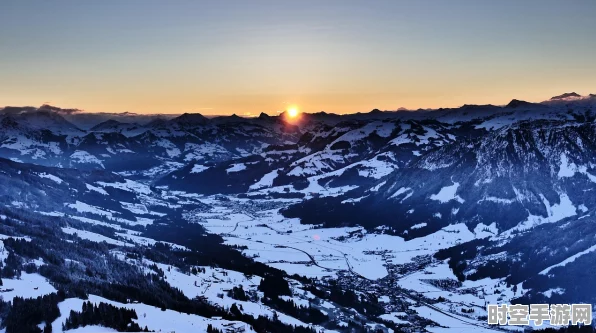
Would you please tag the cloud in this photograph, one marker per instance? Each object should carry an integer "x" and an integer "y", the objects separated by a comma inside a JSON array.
[
  {"x": 58, "y": 110},
  {"x": 29, "y": 109}
]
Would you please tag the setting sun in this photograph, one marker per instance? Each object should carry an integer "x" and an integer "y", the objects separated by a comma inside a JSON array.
[{"x": 293, "y": 112}]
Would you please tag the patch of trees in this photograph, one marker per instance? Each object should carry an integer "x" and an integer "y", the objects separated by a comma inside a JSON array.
[
  {"x": 24, "y": 314},
  {"x": 330, "y": 212},
  {"x": 339, "y": 145},
  {"x": 105, "y": 315},
  {"x": 12, "y": 266},
  {"x": 307, "y": 314},
  {"x": 289, "y": 195},
  {"x": 285, "y": 179},
  {"x": 445, "y": 284},
  {"x": 274, "y": 286},
  {"x": 458, "y": 255},
  {"x": 363, "y": 303},
  {"x": 211, "y": 329},
  {"x": 207, "y": 249},
  {"x": 195, "y": 271},
  {"x": 238, "y": 293}
]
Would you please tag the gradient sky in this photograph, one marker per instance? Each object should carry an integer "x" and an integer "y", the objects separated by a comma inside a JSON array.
[{"x": 251, "y": 56}]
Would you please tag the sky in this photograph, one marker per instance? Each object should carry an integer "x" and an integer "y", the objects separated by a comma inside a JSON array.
[{"x": 247, "y": 57}]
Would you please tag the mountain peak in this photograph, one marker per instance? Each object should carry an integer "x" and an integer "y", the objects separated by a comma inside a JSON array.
[
  {"x": 264, "y": 116},
  {"x": 45, "y": 120},
  {"x": 565, "y": 96},
  {"x": 516, "y": 103},
  {"x": 477, "y": 106},
  {"x": 191, "y": 119},
  {"x": 156, "y": 122},
  {"x": 105, "y": 125}
]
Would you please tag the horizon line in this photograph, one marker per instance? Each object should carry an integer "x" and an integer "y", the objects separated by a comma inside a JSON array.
[{"x": 278, "y": 112}]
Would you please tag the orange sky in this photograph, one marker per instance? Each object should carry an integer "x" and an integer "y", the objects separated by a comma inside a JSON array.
[
  {"x": 252, "y": 105},
  {"x": 247, "y": 57}
]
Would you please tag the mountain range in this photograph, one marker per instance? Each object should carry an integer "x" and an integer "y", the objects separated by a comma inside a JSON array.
[{"x": 427, "y": 215}]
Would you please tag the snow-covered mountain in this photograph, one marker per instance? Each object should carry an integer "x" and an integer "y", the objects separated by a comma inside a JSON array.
[
  {"x": 137, "y": 150},
  {"x": 263, "y": 224}
]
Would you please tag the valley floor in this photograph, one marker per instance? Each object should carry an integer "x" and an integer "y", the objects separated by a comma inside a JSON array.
[{"x": 376, "y": 262}]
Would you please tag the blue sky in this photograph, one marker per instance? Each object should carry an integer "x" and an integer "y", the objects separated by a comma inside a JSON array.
[{"x": 256, "y": 56}]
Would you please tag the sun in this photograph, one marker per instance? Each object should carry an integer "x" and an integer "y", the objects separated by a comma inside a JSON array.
[{"x": 293, "y": 112}]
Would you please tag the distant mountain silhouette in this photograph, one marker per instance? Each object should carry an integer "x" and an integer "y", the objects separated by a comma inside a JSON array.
[
  {"x": 516, "y": 103},
  {"x": 110, "y": 123},
  {"x": 565, "y": 95},
  {"x": 264, "y": 116},
  {"x": 156, "y": 122},
  {"x": 190, "y": 119}
]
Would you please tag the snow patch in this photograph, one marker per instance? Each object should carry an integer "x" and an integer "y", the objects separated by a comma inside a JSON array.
[
  {"x": 447, "y": 194},
  {"x": 51, "y": 177},
  {"x": 97, "y": 238},
  {"x": 129, "y": 186},
  {"x": 236, "y": 167},
  {"x": 96, "y": 189},
  {"x": 569, "y": 260},
  {"x": 402, "y": 190},
  {"x": 198, "y": 168},
  {"x": 556, "y": 212},
  {"x": 28, "y": 286},
  {"x": 566, "y": 169},
  {"x": 482, "y": 230},
  {"x": 266, "y": 180},
  {"x": 81, "y": 156}
]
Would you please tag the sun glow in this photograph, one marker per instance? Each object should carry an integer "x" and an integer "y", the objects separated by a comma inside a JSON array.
[{"x": 293, "y": 112}]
